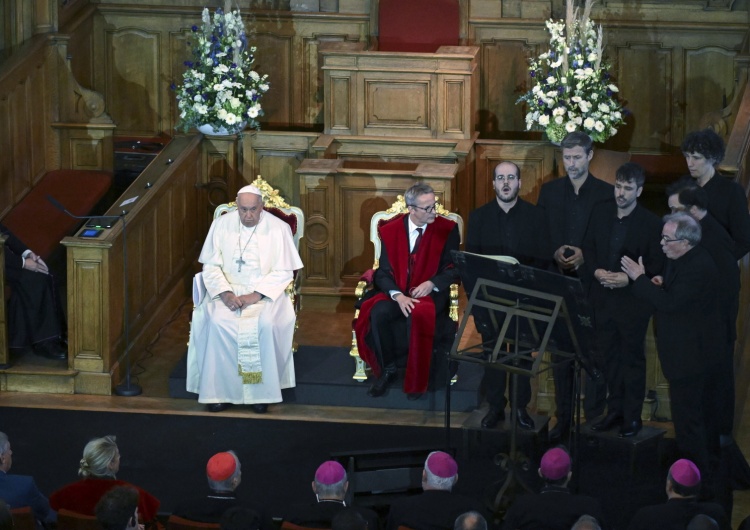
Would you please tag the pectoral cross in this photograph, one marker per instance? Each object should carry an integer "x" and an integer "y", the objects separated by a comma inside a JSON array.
[{"x": 240, "y": 262}]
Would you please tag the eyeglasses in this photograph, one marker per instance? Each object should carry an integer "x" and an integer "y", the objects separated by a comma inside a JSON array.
[
  {"x": 506, "y": 178},
  {"x": 667, "y": 239},
  {"x": 428, "y": 209}
]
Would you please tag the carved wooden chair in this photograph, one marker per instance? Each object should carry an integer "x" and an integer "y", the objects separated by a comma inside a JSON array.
[{"x": 366, "y": 281}]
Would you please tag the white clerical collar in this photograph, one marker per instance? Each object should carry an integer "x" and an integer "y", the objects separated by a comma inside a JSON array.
[{"x": 413, "y": 227}]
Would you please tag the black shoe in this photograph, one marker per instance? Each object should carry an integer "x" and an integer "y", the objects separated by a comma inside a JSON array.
[
  {"x": 630, "y": 429},
  {"x": 218, "y": 407},
  {"x": 413, "y": 396},
  {"x": 379, "y": 387},
  {"x": 492, "y": 418},
  {"x": 559, "y": 431},
  {"x": 611, "y": 420},
  {"x": 51, "y": 349},
  {"x": 259, "y": 408},
  {"x": 524, "y": 420}
]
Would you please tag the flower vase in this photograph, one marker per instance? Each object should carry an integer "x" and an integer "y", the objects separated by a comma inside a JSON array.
[{"x": 209, "y": 130}]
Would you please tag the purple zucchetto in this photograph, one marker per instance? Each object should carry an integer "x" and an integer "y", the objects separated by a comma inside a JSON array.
[
  {"x": 555, "y": 464},
  {"x": 330, "y": 472},
  {"x": 685, "y": 473},
  {"x": 441, "y": 465}
]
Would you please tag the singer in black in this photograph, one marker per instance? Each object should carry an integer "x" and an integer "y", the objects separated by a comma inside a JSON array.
[{"x": 35, "y": 317}]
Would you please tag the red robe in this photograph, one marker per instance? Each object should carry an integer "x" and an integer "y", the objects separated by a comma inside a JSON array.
[{"x": 395, "y": 240}]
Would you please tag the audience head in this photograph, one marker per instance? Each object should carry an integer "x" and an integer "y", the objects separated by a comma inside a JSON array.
[
  {"x": 679, "y": 234},
  {"x": 118, "y": 509},
  {"x": 420, "y": 199},
  {"x": 586, "y": 522},
  {"x": 705, "y": 143},
  {"x": 239, "y": 518},
  {"x": 683, "y": 479},
  {"x": 6, "y": 519},
  {"x": 440, "y": 472},
  {"x": 470, "y": 521},
  {"x": 631, "y": 172},
  {"x": 506, "y": 181},
  {"x": 555, "y": 466},
  {"x": 628, "y": 186},
  {"x": 101, "y": 458},
  {"x": 223, "y": 471},
  {"x": 703, "y": 522},
  {"x": 6, "y": 455},
  {"x": 577, "y": 154},
  {"x": 348, "y": 519},
  {"x": 330, "y": 481}
]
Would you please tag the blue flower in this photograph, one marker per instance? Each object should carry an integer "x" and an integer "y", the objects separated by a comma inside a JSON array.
[
  {"x": 189, "y": 64},
  {"x": 533, "y": 74},
  {"x": 194, "y": 28},
  {"x": 173, "y": 86}
]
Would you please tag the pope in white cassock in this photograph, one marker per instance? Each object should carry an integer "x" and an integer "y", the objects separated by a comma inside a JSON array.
[{"x": 240, "y": 347}]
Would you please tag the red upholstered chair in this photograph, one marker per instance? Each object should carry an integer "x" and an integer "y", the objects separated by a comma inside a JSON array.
[
  {"x": 366, "y": 281},
  {"x": 76, "y": 521},
  {"x": 23, "y": 518},
  {"x": 178, "y": 523},
  {"x": 417, "y": 25}
]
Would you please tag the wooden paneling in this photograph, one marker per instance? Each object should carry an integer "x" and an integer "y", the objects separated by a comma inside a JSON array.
[
  {"x": 410, "y": 95},
  {"x": 163, "y": 238}
]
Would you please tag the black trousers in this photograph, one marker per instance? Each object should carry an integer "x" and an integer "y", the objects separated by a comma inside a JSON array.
[{"x": 35, "y": 310}]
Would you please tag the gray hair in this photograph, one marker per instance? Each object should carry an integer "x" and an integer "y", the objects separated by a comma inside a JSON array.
[
  {"x": 472, "y": 520},
  {"x": 226, "y": 484},
  {"x": 4, "y": 443},
  {"x": 97, "y": 455},
  {"x": 420, "y": 188},
  {"x": 687, "y": 228},
  {"x": 329, "y": 491},
  {"x": 586, "y": 522}
]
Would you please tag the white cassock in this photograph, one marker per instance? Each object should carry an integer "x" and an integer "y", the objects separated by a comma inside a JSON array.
[{"x": 244, "y": 356}]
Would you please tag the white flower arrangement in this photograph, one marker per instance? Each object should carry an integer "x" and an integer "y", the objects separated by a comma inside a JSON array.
[
  {"x": 572, "y": 90},
  {"x": 220, "y": 87}
]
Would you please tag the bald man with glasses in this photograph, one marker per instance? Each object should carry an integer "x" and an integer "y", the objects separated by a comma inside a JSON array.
[{"x": 687, "y": 321}]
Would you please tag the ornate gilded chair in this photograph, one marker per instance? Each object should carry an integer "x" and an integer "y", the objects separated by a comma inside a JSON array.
[
  {"x": 366, "y": 281},
  {"x": 276, "y": 205}
]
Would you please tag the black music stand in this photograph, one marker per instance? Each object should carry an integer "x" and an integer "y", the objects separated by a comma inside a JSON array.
[{"x": 529, "y": 311}]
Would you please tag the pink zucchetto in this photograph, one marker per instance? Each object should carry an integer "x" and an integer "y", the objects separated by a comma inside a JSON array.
[
  {"x": 250, "y": 189},
  {"x": 221, "y": 466},
  {"x": 555, "y": 464},
  {"x": 441, "y": 465},
  {"x": 330, "y": 472},
  {"x": 685, "y": 473}
]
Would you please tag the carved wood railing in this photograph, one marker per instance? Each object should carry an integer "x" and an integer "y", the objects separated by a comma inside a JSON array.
[{"x": 164, "y": 231}]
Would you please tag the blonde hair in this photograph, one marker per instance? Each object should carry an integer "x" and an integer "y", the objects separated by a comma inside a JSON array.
[{"x": 97, "y": 455}]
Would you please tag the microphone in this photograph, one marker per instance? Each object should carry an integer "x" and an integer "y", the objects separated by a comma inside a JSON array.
[{"x": 104, "y": 221}]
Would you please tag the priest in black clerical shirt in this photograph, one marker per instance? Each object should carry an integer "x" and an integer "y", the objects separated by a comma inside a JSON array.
[{"x": 506, "y": 226}]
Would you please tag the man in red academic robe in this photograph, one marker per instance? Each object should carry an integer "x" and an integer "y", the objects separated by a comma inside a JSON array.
[{"x": 412, "y": 285}]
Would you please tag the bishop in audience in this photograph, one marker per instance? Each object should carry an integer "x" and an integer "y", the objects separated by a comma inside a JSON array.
[{"x": 240, "y": 349}]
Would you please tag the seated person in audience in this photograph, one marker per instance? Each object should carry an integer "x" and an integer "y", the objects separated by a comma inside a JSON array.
[
  {"x": 35, "y": 314},
  {"x": 20, "y": 490},
  {"x": 239, "y": 518},
  {"x": 240, "y": 349},
  {"x": 6, "y": 519},
  {"x": 224, "y": 474},
  {"x": 437, "y": 507},
  {"x": 586, "y": 522},
  {"x": 349, "y": 519},
  {"x": 470, "y": 521},
  {"x": 703, "y": 522},
  {"x": 118, "y": 509},
  {"x": 98, "y": 469},
  {"x": 329, "y": 486},
  {"x": 554, "y": 507},
  {"x": 412, "y": 296},
  {"x": 683, "y": 487}
]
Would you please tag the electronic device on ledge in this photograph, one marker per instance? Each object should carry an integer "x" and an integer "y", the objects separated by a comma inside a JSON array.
[
  {"x": 101, "y": 222},
  {"x": 91, "y": 232}
]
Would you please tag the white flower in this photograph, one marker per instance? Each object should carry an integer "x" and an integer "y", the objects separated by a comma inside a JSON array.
[
  {"x": 592, "y": 57},
  {"x": 231, "y": 119},
  {"x": 559, "y": 120},
  {"x": 570, "y": 126},
  {"x": 603, "y": 107},
  {"x": 613, "y": 88},
  {"x": 263, "y": 87},
  {"x": 254, "y": 75},
  {"x": 198, "y": 97},
  {"x": 551, "y": 80},
  {"x": 557, "y": 63},
  {"x": 551, "y": 93},
  {"x": 234, "y": 102},
  {"x": 588, "y": 123},
  {"x": 617, "y": 115},
  {"x": 589, "y": 72},
  {"x": 252, "y": 112},
  {"x": 599, "y": 126},
  {"x": 595, "y": 96},
  {"x": 559, "y": 111},
  {"x": 543, "y": 120}
]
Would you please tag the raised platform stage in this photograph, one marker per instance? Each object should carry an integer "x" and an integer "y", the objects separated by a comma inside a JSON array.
[{"x": 324, "y": 377}]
